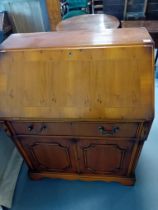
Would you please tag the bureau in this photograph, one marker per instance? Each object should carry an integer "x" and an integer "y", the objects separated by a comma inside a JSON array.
[{"x": 78, "y": 105}]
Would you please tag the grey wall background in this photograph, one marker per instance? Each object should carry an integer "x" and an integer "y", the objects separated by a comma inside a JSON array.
[{"x": 27, "y": 15}]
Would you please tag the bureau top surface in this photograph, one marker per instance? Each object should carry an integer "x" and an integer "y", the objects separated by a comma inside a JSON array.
[{"x": 77, "y": 39}]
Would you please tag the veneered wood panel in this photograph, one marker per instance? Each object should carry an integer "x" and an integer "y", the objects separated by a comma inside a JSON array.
[
  {"x": 79, "y": 39},
  {"x": 47, "y": 83},
  {"x": 104, "y": 157},
  {"x": 49, "y": 153},
  {"x": 100, "y": 129}
]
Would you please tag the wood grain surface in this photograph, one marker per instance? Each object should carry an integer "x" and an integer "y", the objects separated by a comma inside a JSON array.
[
  {"x": 92, "y": 22},
  {"x": 54, "y": 14},
  {"x": 77, "y": 39},
  {"x": 98, "y": 83}
]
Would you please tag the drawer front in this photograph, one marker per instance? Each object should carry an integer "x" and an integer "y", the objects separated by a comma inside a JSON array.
[
  {"x": 106, "y": 129},
  {"x": 90, "y": 129},
  {"x": 42, "y": 128}
]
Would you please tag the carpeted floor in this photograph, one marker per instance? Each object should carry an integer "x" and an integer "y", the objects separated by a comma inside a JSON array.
[{"x": 52, "y": 194}]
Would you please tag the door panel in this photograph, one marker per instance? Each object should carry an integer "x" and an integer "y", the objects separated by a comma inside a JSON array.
[
  {"x": 49, "y": 153},
  {"x": 104, "y": 156}
]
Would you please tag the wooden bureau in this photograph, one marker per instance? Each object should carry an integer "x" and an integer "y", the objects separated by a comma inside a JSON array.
[{"x": 78, "y": 105}]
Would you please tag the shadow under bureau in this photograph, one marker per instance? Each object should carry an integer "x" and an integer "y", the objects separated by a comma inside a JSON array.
[{"x": 78, "y": 105}]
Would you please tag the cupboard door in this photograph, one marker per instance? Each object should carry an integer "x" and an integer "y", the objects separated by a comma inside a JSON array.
[
  {"x": 104, "y": 156},
  {"x": 53, "y": 154}
]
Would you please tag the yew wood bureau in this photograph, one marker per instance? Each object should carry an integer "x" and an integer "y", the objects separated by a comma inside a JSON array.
[{"x": 78, "y": 105}]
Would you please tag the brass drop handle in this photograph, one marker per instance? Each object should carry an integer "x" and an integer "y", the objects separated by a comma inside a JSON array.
[
  {"x": 43, "y": 128},
  {"x": 30, "y": 128},
  {"x": 108, "y": 132}
]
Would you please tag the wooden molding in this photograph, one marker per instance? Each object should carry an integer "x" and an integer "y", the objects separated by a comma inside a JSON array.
[
  {"x": 53, "y": 7},
  {"x": 4, "y": 127},
  {"x": 129, "y": 181}
]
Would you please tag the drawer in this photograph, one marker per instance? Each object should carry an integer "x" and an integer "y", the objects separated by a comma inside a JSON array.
[
  {"x": 91, "y": 129},
  {"x": 42, "y": 128},
  {"x": 106, "y": 129}
]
